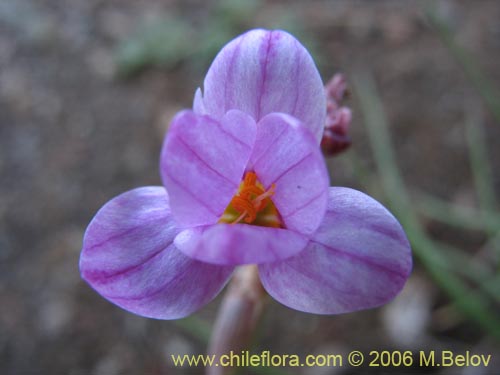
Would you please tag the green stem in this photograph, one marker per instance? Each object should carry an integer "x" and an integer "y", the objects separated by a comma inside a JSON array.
[
  {"x": 454, "y": 215},
  {"x": 482, "y": 172},
  {"x": 487, "y": 91},
  {"x": 473, "y": 305}
]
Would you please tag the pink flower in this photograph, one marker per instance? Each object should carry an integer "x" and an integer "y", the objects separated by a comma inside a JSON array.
[{"x": 245, "y": 182}]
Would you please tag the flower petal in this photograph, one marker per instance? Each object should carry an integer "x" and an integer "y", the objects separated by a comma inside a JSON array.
[
  {"x": 198, "y": 106},
  {"x": 129, "y": 258},
  {"x": 286, "y": 154},
  {"x": 228, "y": 244},
  {"x": 359, "y": 258},
  {"x": 202, "y": 163},
  {"x": 265, "y": 71}
]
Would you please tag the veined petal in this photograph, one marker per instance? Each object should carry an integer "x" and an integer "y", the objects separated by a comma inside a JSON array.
[
  {"x": 265, "y": 71},
  {"x": 286, "y": 155},
  {"x": 228, "y": 244},
  {"x": 129, "y": 258},
  {"x": 202, "y": 163},
  {"x": 359, "y": 258}
]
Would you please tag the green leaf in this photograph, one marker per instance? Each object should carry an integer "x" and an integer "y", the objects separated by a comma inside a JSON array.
[{"x": 473, "y": 304}]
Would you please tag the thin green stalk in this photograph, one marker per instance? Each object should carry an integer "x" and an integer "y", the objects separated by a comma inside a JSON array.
[
  {"x": 480, "y": 163},
  {"x": 488, "y": 92},
  {"x": 437, "y": 209},
  {"x": 472, "y": 269},
  {"x": 474, "y": 305},
  {"x": 454, "y": 215},
  {"x": 453, "y": 258},
  {"x": 481, "y": 171},
  {"x": 474, "y": 132}
]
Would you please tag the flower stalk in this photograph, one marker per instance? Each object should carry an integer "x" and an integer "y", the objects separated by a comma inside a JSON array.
[{"x": 238, "y": 316}]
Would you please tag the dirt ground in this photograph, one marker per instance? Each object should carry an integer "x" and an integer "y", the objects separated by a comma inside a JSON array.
[{"x": 74, "y": 134}]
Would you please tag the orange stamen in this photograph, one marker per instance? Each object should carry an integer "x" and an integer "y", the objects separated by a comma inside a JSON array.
[
  {"x": 250, "y": 179},
  {"x": 247, "y": 190},
  {"x": 251, "y": 199},
  {"x": 262, "y": 198},
  {"x": 244, "y": 205}
]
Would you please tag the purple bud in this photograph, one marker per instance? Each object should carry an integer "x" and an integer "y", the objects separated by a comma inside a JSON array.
[
  {"x": 336, "y": 88},
  {"x": 338, "y": 118}
]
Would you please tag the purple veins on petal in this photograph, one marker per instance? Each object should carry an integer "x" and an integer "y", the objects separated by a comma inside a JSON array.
[
  {"x": 286, "y": 154},
  {"x": 246, "y": 183},
  {"x": 227, "y": 244},
  {"x": 202, "y": 162},
  {"x": 129, "y": 258},
  {"x": 286, "y": 160},
  {"x": 261, "y": 72},
  {"x": 358, "y": 259}
]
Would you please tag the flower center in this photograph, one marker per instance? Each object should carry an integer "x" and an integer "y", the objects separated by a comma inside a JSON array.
[{"x": 252, "y": 205}]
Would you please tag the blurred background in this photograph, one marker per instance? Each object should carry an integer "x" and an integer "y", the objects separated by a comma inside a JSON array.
[{"x": 87, "y": 89}]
